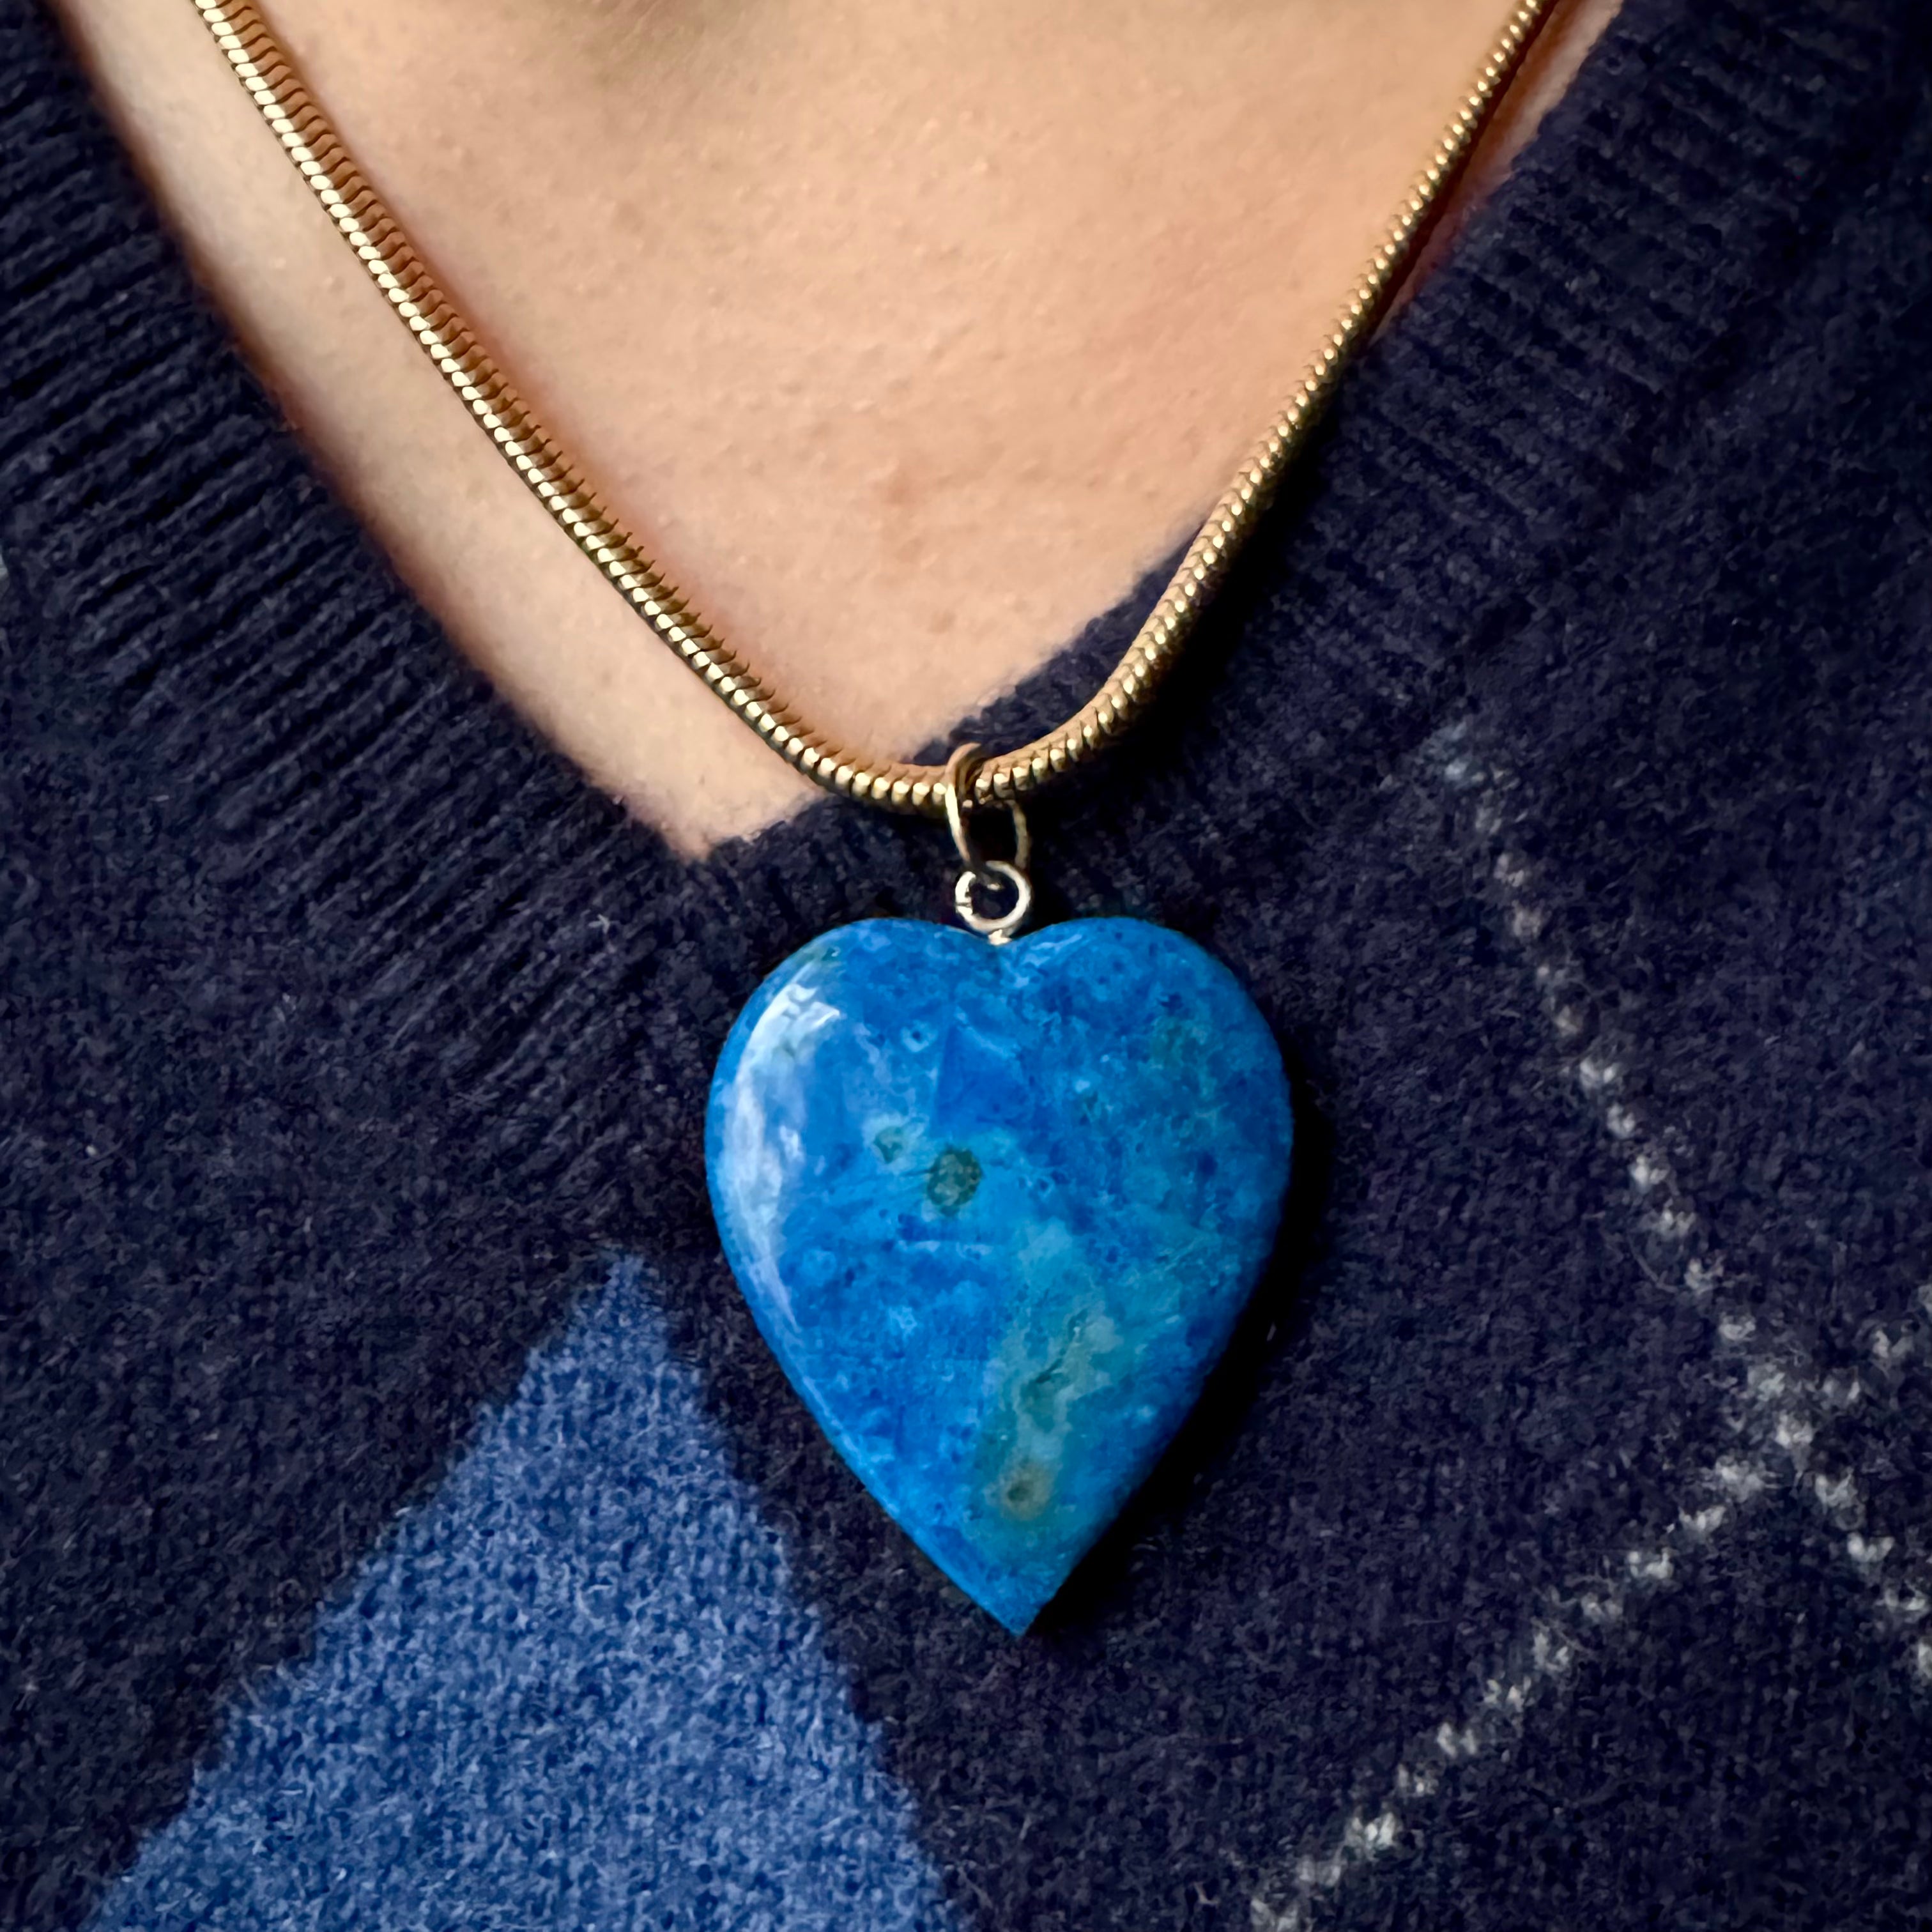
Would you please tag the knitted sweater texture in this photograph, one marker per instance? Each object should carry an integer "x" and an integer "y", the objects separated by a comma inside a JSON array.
[{"x": 401, "y": 1522}]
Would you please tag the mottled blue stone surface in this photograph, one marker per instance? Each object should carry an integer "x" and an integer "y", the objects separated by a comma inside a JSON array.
[{"x": 996, "y": 1210}]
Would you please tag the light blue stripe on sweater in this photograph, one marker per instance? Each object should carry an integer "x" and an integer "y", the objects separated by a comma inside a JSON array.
[{"x": 574, "y": 1691}]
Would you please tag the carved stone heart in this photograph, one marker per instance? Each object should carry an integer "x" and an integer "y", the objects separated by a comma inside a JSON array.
[{"x": 996, "y": 1210}]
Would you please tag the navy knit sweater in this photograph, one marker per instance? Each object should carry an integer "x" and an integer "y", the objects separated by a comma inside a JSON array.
[{"x": 401, "y": 1523}]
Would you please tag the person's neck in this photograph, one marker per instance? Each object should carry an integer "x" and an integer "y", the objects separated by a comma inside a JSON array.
[{"x": 908, "y": 337}]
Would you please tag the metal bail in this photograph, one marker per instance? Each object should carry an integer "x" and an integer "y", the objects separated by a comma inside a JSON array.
[{"x": 982, "y": 873}]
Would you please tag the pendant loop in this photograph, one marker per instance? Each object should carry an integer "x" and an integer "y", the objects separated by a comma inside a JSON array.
[
  {"x": 957, "y": 786},
  {"x": 983, "y": 874},
  {"x": 995, "y": 872}
]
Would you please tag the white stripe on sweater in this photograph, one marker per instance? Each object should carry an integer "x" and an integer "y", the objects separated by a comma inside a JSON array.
[{"x": 1785, "y": 1400}]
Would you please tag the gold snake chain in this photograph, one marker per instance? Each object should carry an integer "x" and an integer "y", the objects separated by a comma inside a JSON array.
[{"x": 311, "y": 142}]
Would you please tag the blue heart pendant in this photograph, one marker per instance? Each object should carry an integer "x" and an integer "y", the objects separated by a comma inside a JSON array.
[{"x": 996, "y": 1210}]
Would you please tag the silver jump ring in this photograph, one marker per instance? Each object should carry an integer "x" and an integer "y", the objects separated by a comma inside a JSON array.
[
  {"x": 994, "y": 872},
  {"x": 957, "y": 786},
  {"x": 980, "y": 870}
]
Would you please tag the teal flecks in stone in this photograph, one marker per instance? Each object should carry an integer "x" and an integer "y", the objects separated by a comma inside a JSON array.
[{"x": 996, "y": 1210}]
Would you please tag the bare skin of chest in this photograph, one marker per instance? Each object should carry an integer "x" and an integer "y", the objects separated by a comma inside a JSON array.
[{"x": 906, "y": 337}]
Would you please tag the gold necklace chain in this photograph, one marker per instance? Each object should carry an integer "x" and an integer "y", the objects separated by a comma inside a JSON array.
[{"x": 311, "y": 142}]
